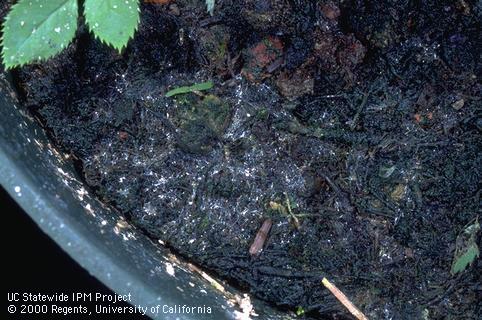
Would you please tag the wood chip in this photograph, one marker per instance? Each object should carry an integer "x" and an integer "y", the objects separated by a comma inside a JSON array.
[{"x": 260, "y": 238}]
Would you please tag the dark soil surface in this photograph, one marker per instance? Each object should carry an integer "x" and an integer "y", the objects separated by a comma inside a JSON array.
[{"x": 363, "y": 117}]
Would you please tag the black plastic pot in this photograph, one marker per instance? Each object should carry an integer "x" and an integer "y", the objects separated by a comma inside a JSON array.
[{"x": 45, "y": 184}]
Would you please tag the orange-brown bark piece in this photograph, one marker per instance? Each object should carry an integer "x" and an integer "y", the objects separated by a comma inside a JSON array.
[{"x": 260, "y": 238}]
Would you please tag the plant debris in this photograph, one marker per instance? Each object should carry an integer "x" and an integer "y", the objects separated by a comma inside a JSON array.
[
  {"x": 260, "y": 238},
  {"x": 186, "y": 89},
  {"x": 467, "y": 249},
  {"x": 344, "y": 300}
]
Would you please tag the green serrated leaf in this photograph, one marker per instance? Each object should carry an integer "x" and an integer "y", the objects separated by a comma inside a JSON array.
[
  {"x": 464, "y": 260},
  {"x": 112, "y": 21},
  {"x": 37, "y": 30},
  {"x": 195, "y": 87}
]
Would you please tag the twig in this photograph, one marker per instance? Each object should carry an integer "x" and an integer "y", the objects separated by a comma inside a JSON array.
[
  {"x": 207, "y": 277},
  {"x": 359, "y": 110},
  {"x": 344, "y": 300},
  {"x": 331, "y": 183},
  {"x": 260, "y": 238},
  {"x": 287, "y": 273}
]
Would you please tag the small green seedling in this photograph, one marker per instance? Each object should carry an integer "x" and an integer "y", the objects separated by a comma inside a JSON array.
[
  {"x": 466, "y": 249},
  {"x": 38, "y": 30},
  {"x": 300, "y": 311},
  {"x": 286, "y": 209},
  {"x": 187, "y": 89}
]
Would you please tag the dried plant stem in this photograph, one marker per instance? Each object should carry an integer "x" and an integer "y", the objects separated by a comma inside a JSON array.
[
  {"x": 344, "y": 300},
  {"x": 207, "y": 277},
  {"x": 260, "y": 238}
]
